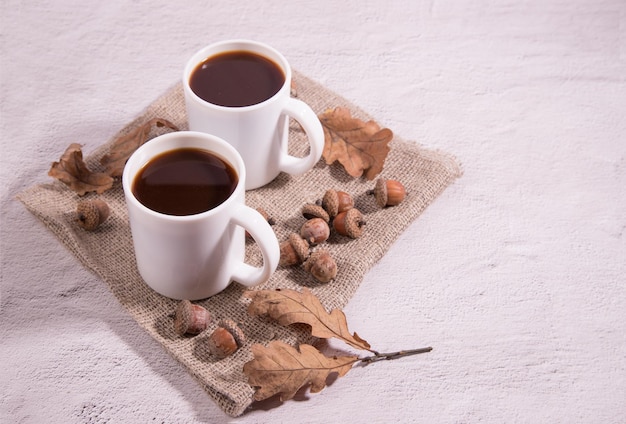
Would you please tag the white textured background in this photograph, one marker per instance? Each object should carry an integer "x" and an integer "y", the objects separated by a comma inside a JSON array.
[{"x": 516, "y": 274}]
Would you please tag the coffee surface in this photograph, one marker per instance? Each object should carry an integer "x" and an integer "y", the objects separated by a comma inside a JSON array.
[
  {"x": 236, "y": 79},
  {"x": 184, "y": 182}
]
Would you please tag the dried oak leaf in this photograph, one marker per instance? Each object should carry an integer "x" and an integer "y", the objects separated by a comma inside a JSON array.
[
  {"x": 289, "y": 307},
  {"x": 124, "y": 146},
  {"x": 283, "y": 369},
  {"x": 361, "y": 147},
  {"x": 72, "y": 170}
]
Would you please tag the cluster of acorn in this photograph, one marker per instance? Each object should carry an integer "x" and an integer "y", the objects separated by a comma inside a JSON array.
[
  {"x": 335, "y": 210},
  {"x": 193, "y": 319}
]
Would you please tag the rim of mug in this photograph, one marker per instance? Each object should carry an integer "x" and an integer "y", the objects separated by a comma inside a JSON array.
[
  {"x": 139, "y": 159},
  {"x": 235, "y": 44}
]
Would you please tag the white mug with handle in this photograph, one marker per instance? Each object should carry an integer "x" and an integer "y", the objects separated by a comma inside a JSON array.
[
  {"x": 259, "y": 131},
  {"x": 197, "y": 255}
]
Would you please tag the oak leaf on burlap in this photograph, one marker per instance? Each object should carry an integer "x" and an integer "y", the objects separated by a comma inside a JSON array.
[
  {"x": 72, "y": 170},
  {"x": 361, "y": 147},
  {"x": 124, "y": 146},
  {"x": 288, "y": 307}
]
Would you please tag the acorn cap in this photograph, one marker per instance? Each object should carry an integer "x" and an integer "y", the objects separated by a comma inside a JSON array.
[
  {"x": 234, "y": 329},
  {"x": 300, "y": 245},
  {"x": 91, "y": 213},
  {"x": 190, "y": 318},
  {"x": 381, "y": 192},
  {"x": 311, "y": 210},
  {"x": 182, "y": 317},
  {"x": 293, "y": 251},
  {"x": 330, "y": 202},
  {"x": 354, "y": 223}
]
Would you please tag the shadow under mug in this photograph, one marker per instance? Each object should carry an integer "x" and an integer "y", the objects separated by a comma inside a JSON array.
[
  {"x": 259, "y": 132},
  {"x": 197, "y": 256}
]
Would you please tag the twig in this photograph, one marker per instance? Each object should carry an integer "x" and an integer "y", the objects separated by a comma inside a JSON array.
[{"x": 394, "y": 355}]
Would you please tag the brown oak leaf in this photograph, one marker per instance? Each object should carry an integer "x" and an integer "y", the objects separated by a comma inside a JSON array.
[
  {"x": 124, "y": 146},
  {"x": 72, "y": 170},
  {"x": 289, "y": 307},
  {"x": 282, "y": 369},
  {"x": 361, "y": 147}
]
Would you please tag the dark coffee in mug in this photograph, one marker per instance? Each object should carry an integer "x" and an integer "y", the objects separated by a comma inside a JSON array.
[
  {"x": 184, "y": 181},
  {"x": 236, "y": 79}
]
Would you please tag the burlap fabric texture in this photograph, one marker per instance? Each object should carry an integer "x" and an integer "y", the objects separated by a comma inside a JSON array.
[{"x": 108, "y": 251}]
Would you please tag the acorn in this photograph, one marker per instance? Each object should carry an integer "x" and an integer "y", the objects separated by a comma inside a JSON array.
[
  {"x": 222, "y": 343},
  {"x": 315, "y": 231},
  {"x": 91, "y": 213},
  {"x": 388, "y": 192},
  {"x": 234, "y": 329},
  {"x": 321, "y": 265},
  {"x": 190, "y": 318},
  {"x": 350, "y": 223},
  {"x": 335, "y": 202},
  {"x": 312, "y": 210},
  {"x": 293, "y": 251}
]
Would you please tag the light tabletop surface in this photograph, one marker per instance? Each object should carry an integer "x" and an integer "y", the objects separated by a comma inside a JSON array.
[{"x": 515, "y": 275}]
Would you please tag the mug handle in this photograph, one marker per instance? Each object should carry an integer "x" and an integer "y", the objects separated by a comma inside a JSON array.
[
  {"x": 258, "y": 227},
  {"x": 305, "y": 116}
]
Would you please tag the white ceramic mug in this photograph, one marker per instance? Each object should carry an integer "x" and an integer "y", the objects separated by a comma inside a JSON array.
[
  {"x": 259, "y": 132},
  {"x": 197, "y": 256}
]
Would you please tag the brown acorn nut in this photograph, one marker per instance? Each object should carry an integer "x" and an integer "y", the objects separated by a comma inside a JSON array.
[
  {"x": 91, "y": 213},
  {"x": 293, "y": 251},
  {"x": 222, "y": 343},
  {"x": 388, "y": 192},
  {"x": 350, "y": 223},
  {"x": 312, "y": 210},
  {"x": 321, "y": 265},
  {"x": 315, "y": 231},
  {"x": 190, "y": 318},
  {"x": 335, "y": 202}
]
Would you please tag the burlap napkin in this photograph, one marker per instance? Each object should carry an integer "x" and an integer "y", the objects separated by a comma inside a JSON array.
[{"x": 109, "y": 253}]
